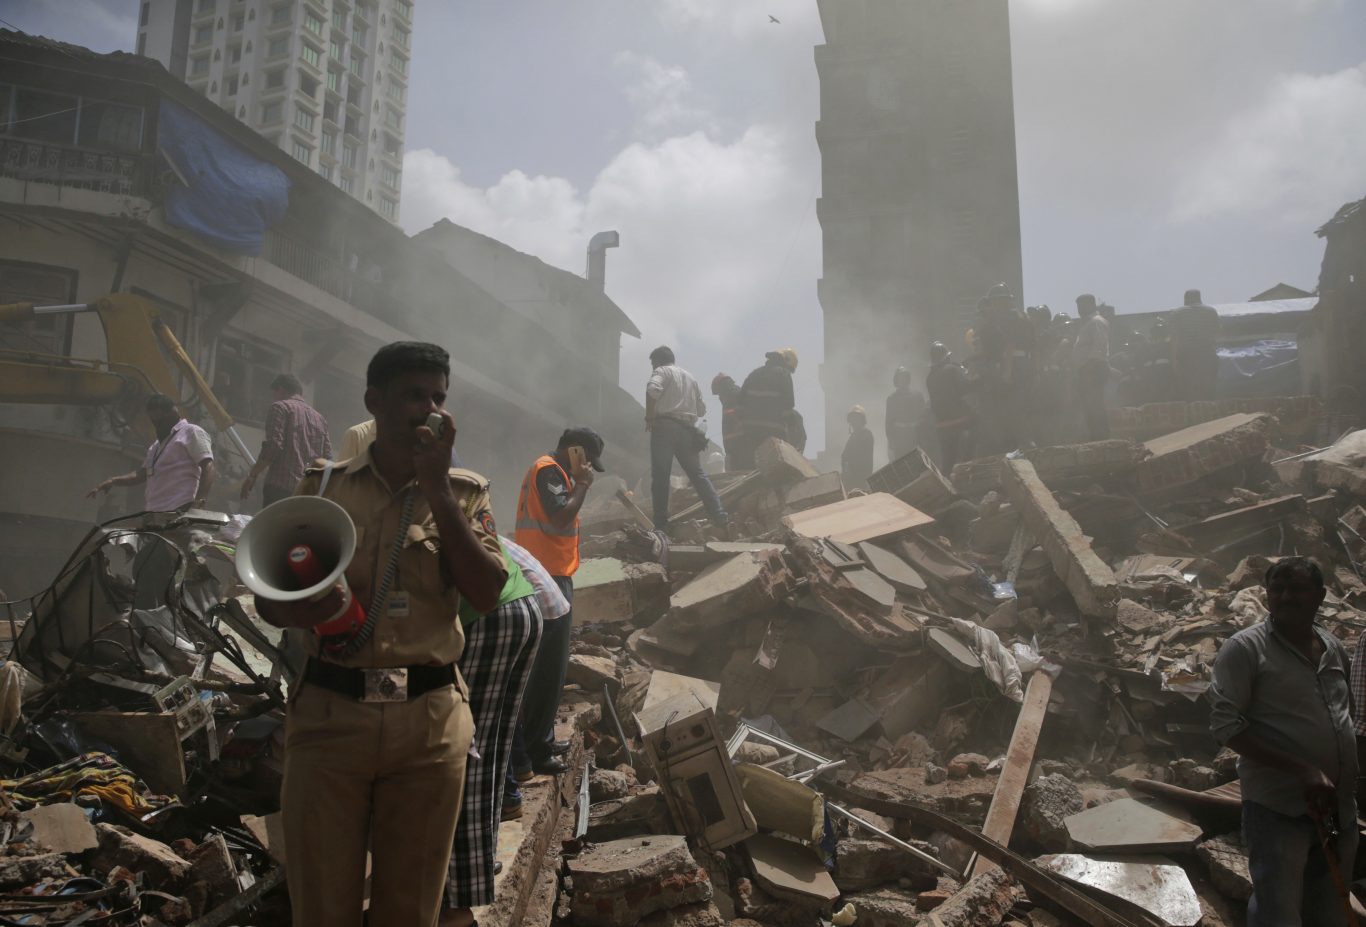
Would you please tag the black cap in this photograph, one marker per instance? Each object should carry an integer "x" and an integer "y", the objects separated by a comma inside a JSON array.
[{"x": 589, "y": 440}]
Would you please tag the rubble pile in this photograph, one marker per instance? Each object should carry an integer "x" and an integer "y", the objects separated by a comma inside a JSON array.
[
  {"x": 976, "y": 694},
  {"x": 141, "y": 755}
]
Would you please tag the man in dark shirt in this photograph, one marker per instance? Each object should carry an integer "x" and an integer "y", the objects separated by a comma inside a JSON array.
[
  {"x": 856, "y": 463},
  {"x": 1195, "y": 348},
  {"x": 727, "y": 391},
  {"x": 766, "y": 398},
  {"x": 296, "y": 436},
  {"x": 948, "y": 387}
]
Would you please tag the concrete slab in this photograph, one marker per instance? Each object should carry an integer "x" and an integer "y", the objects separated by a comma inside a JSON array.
[
  {"x": 1056, "y": 463},
  {"x": 608, "y": 590},
  {"x": 1184, "y": 456},
  {"x": 1088, "y": 578},
  {"x": 818, "y": 490},
  {"x": 1131, "y": 826},
  {"x": 782, "y": 464},
  {"x": 60, "y": 828},
  {"x": 953, "y": 651},
  {"x": 1154, "y": 883},
  {"x": 849, "y": 721},
  {"x": 728, "y": 590},
  {"x": 862, "y": 518},
  {"x": 784, "y": 868},
  {"x": 892, "y": 568},
  {"x": 916, "y": 480}
]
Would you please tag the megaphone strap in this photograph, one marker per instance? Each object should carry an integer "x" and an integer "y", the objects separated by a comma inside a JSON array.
[{"x": 380, "y": 599}]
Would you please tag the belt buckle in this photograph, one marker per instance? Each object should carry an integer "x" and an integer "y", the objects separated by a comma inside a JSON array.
[{"x": 386, "y": 685}]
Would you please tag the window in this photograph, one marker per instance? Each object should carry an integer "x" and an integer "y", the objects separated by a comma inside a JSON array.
[
  {"x": 279, "y": 15},
  {"x": 271, "y": 112},
  {"x": 312, "y": 23},
  {"x": 334, "y": 49},
  {"x": 243, "y": 371},
  {"x": 308, "y": 86},
  {"x": 392, "y": 119},
  {"x": 232, "y": 86},
  {"x": 145, "y": 14},
  {"x": 402, "y": 37},
  {"x": 401, "y": 65},
  {"x": 325, "y": 170},
  {"x": 404, "y": 9},
  {"x": 389, "y": 175},
  {"x": 275, "y": 79},
  {"x": 349, "y": 156},
  {"x": 235, "y": 54},
  {"x": 238, "y": 22},
  {"x": 357, "y": 64},
  {"x": 278, "y": 47},
  {"x": 207, "y": 6},
  {"x": 203, "y": 34},
  {"x": 310, "y": 54},
  {"x": 199, "y": 66},
  {"x": 334, "y": 81},
  {"x": 301, "y": 151},
  {"x": 396, "y": 92},
  {"x": 303, "y": 119},
  {"x": 42, "y": 285},
  {"x": 339, "y": 20},
  {"x": 388, "y": 208},
  {"x": 358, "y": 34},
  {"x": 345, "y": 184},
  {"x": 329, "y": 143}
]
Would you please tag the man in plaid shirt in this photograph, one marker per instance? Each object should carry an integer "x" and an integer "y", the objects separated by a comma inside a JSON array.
[{"x": 296, "y": 436}]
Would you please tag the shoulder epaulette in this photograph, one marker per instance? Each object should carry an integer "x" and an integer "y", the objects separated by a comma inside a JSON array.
[{"x": 469, "y": 476}]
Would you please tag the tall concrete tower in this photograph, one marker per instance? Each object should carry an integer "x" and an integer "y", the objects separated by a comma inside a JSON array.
[
  {"x": 919, "y": 207},
  {"x": 326, "y": 80}
]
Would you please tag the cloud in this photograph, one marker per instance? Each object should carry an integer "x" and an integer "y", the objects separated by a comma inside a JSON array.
[
  {"x": 1297, "y": 154},
  {"x": 662, "y": 96},
  {"x": 705, "y": 224}
]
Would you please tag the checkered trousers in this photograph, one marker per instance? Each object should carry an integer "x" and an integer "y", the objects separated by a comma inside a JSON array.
[{"x": 499, "y": 650}]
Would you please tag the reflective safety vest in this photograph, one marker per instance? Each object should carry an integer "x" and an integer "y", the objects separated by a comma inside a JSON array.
[{"x": 556, "y": 548}]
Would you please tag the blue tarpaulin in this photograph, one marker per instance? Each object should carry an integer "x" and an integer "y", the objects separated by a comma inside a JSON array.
[
  {"x": 226, "y": 194},
  {"x": 1263, "y": 368}
]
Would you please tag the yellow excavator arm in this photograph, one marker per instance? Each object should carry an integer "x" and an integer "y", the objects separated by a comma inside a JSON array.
[{"x": 135, "y": 335}]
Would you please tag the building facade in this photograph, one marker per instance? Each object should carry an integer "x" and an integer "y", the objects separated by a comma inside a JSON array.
[
  {"x": 91, "y": 203},
  {"x": 919, "y": 207},
  {"x": 325, "y": 80}
]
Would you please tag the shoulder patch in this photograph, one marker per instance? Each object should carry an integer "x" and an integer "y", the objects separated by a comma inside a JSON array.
[{"x": 486, "y": 522}]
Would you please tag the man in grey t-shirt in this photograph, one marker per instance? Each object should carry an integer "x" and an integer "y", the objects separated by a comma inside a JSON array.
[{"x": 1280, "y": 697}]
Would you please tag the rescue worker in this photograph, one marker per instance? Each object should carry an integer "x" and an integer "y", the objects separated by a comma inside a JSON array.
[
  {"x": 1006, "y": 342},
  {"x": 766, "y": 398},
  {"x": 905, "y": 408},
  {"x": 1195, "y": 349},
  {"x": 673, "y": 407},
  {"x": 856, "y": 462},
  {"x": 727, "y": 392},
  {"x": 1091, "y": 363},
  {"x": 378, "y": 729},
  {"x": 552, "y": 493},
  {"x": 948, "y": 388}
]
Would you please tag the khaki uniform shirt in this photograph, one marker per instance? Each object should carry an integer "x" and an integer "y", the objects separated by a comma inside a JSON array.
[{"x": 429, "y": 633}]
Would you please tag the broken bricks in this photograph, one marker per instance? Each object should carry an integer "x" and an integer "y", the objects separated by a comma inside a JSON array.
[{"x": 617, "y": 884}]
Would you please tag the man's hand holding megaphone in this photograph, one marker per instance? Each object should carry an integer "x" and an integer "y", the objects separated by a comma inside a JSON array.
[{"x": 304, "y": 613}]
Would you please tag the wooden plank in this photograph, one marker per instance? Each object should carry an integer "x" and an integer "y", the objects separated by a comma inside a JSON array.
[
  {"x": 1005, "y": 801},
  {"x": 637, "y": 513},
  {"x": 862, "y": 518}
]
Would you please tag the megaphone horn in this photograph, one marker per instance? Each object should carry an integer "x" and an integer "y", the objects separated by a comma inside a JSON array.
[{"x": 298, "y": 549}]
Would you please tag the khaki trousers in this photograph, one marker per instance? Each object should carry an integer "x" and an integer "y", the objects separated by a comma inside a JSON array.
[{"x": 383, "y": 777}]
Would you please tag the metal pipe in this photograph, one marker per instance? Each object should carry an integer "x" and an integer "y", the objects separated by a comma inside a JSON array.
[
  {"x": 241, "y": 445},
  {"x": 914, "y": 851},
  {"x": 59, "y": 310}
]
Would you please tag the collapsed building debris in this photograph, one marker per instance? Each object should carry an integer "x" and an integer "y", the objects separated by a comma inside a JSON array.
[{"x": 928, "y": 682}]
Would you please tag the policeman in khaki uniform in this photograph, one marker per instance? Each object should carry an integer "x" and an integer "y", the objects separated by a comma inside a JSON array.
[{"x": 376, "y": 760}]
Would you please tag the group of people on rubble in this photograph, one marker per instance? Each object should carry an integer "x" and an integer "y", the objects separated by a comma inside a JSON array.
[
  {"x": 407, "y": 741},
  {"x": 1035, "y": 378}
]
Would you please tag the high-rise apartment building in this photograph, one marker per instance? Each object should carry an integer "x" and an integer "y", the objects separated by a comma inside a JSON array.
[
  {"x": 326, "y": 80},
  {"x": 919, "y": 205}
]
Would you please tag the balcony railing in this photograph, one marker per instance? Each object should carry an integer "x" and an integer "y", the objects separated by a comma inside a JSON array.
[
  {"x": 68, "y": 166},
  {"x": 329, "y": 274}
]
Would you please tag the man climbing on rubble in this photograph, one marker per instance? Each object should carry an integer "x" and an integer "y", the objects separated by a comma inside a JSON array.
[
  {"x": 177, "y": 473},
  {"x": 673, "y": 407},
  {"x": 856, "y": 461},
  {"x": 1091, "y": 361},
  {"x": 727, "y": 392},
  {"x": 948, "y": 388},
  {"x": 766, "y": 398},
  {"x": 553, "y": 491},
  {"x": 1280, "y": 698},
  {"x": 905, "y": 408},
  {"x": 296, "y": 436},
  {"x": 379, "y": 729}
]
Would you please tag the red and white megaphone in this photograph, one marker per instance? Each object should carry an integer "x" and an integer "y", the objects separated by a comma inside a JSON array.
[{"x": 297, "y": 549}]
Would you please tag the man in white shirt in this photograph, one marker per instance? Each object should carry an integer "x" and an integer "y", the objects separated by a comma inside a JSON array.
[
  {"x": 673, "y": 405},
  {"x": 1091, "y": 361}
]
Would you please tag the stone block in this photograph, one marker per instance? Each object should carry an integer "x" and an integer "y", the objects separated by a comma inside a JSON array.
[
  {"x": 738, "y": 586},
  {"x": 617, "y": 884},
  {"x": 591, "y": 672},
  {"x": 608, "y": 590},
  {"x": 863, "y": 864},
  {"x": 781, "y": 463},
  {"x": 1182, "y": 457},
  {"x": 818, "y": 490},
  {"x": 886, "y": 907},
  {"x": 1047, "y": 803},
  {"x": 1226, "y": 862},
  {"x": 119, "y": 846},
  {"x": 607, "y": 785},
  {"x": 1088, "y": 578}
]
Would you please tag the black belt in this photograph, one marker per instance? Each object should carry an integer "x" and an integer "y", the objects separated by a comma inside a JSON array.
[{"x": 350, "y": 680}]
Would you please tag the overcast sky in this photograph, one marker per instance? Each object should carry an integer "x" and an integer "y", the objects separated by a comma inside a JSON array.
[{"x": 1163, "y": 144}]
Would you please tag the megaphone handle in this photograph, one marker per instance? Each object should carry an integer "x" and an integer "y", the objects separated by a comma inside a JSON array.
[{"x": 381, "y": 596}]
